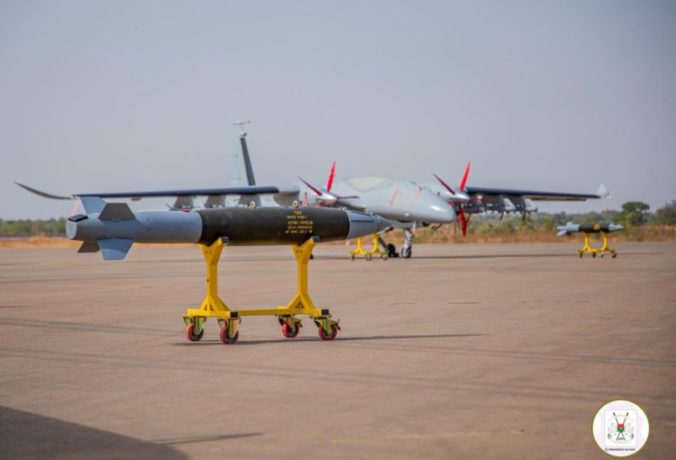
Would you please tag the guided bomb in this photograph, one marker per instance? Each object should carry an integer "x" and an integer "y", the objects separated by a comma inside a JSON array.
[
  {"x": 587, "y": 228},
  {"x": 112, "y": 227}
]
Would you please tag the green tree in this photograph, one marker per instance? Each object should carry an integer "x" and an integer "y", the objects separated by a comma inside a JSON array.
[
  {"x": 633, "y": 214},
  {"x": 666, "y": 215}
]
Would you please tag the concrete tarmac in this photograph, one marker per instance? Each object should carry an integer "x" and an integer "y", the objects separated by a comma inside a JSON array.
[{"x": 464, "y": 351}]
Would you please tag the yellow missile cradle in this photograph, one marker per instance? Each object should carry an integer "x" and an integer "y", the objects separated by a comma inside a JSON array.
[
  {"x": 301, "y": 304},
  {"x": 602, "y": 251},
  {"x": 368, "y": 254}
]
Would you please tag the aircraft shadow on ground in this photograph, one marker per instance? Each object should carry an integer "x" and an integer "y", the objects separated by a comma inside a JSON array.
[
  {"x": 315, "y": 338},
  {"x": 27, "y": 435}
]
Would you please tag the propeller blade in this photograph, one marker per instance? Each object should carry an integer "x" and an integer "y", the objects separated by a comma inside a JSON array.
[
  {"x": 311, "y": 187},
  {"x": 464, "y": 221},
  {"x": 444, "y": 184},
  {"x": 463, "y": 181},
  {"x": 332, "y": 174}
]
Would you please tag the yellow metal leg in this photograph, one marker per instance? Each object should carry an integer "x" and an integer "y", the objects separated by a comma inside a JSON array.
[
  {"x": 605, "y": 248},
  {"x": 375, "y": 247},
  {"x": 359, "y": 251},
  {"x": 301, "y": 303},
  {"x": 586, "y": 248},
  {"x": 212, "y": 305}
]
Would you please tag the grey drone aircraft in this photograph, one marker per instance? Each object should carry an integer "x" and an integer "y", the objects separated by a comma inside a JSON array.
[{"x": 406, "y": 204}]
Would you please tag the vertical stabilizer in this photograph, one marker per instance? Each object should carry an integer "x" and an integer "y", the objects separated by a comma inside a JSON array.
[
  {"x": 241, "y": 169},
  {"x": 603, "y": 192},
  {"x": 247, "y": 160},
  {"x": 239, "y": 163}
]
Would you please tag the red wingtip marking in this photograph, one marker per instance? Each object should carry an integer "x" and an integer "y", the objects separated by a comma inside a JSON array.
[
  {"x": 463, "y": 181},
  {"x": 332, "y": 174}
]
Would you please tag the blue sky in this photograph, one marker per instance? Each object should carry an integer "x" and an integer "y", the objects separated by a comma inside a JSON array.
[{"x": 128, "y": 95}]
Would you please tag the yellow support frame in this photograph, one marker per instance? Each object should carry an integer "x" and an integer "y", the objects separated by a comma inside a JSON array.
[
  {"x": 368, "y": 255},
  {"x": 301, "y": 304},
  {"x": 603, "y": 250}
]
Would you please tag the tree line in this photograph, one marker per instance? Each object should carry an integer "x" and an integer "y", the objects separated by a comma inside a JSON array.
[{"x": 633, "y": 215}]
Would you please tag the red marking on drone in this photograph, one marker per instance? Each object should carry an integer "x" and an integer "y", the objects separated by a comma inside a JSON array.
[{"x": 394, "y": 197}]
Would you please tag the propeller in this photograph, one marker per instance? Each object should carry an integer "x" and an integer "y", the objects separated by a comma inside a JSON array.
[
  {"x": 457, "y": 199},
  {"x": 325, "y": 197},
  {"x": 461, "y": 195}
]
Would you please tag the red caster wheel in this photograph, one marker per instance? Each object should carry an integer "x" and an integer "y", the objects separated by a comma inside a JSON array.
[
  {"x": 226, "y": 338},
  {"x": 289, "y": 331},
  {"x": 328, "y": 336},
  {"x": 190, "y": 333}
]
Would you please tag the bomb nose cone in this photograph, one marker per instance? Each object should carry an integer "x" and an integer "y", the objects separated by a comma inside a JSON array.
[
  {"x": 363, "y": 224},
  {"x": 383, "y": 224}
]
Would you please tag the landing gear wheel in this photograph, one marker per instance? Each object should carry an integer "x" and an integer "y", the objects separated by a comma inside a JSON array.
[
  {"x": 391, "y": 250},
  {"x": 406, "y": 252},
  {"x": 190, "y": 333},
  {"x": 328, "y": 336},
  {"x": 226, "y": 338},
  {"x": 289, "y": 331}
]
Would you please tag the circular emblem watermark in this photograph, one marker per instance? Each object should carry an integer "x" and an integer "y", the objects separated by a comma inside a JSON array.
[{"x": 620, "y": 428}]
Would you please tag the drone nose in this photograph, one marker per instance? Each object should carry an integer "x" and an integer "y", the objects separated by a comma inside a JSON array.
[{"x": 436, "y": 210}]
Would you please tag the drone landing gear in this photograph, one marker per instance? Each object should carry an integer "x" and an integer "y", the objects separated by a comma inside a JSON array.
[
  {"x": 230, "y": 320},
  {"x": 406, "y": 250},
  {"x": 376, "y": 249},
  {"x": 602, "y": 251}
]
